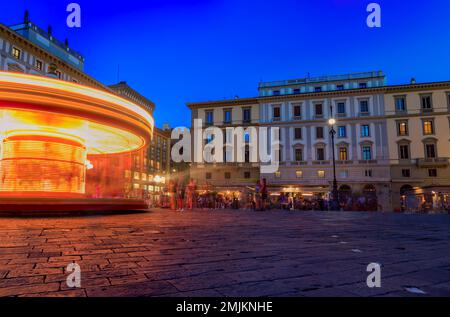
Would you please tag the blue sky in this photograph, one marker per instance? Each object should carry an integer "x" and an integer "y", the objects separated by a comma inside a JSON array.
[{"x": 175, "y": 52}]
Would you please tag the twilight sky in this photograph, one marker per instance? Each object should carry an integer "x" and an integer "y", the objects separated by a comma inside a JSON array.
[{"x": 175, "y": 51}]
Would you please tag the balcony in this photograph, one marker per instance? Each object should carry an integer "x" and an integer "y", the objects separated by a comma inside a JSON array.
[
  {"x": 347, "y": 162},
  {"x": 433, "y": 162},
  {"x": 319, "y": 162},
  {"x": 368, "y": 162}
]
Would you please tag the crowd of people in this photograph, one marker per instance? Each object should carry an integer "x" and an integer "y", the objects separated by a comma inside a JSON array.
[{"x": 182, "y": 196}]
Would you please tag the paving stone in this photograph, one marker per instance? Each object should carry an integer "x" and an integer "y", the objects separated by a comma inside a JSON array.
[{"x": 225, "y": 253}]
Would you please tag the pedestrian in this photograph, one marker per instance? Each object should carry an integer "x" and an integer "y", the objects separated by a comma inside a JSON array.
[
  {"x": 264, "y": 193},
  {"x": 181, "y": 196},
  {"x": 258, "y": 195}
]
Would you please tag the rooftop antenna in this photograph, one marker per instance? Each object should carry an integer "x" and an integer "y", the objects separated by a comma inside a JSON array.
[
  {"x": 118, "y": 72},
  {"x": 26, "y": 17}
]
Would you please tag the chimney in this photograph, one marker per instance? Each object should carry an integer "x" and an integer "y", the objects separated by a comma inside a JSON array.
[
  {"x": 413, "y": 81},
  {"x": 49, "y": 30},
  {"x": 66, "y": 42}
]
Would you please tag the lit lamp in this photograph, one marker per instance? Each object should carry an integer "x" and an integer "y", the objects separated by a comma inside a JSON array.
[
  {"x": 157, "y": 179},
  {"x": 334, "y": 193}
]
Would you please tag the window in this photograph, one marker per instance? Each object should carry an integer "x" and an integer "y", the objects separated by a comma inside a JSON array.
[
  {"x": 247, "y": 115},
  {"x": 432, "y": 172},
  {"x": 276, "y": 93},
  {"x": 404, "y": 152},
  {"x": 428, "y": 127},
  {"x": 58, "y": 74},
  {"x": 279, "y": 154},
  {"x": 368, "y": 173},
  {"x": 227, "y": 175},
  {"x": 277, "y": 174},
  {"x": 227, "y": 116},
  {"x": 319, "y": 110},
  {"x": 343, "y": 174},
  {"x": 343, "y": 155},
  {"x": 365, "y": 131},
  {"x": 342, "y": 131},
  {"x": 298, "y": 133},
  {"x": 298, "y": 155},
  {"x": 367, "y": 152},
  {"x": 299, "y": 174},
  {"x": 16, "y": 52},
  {"x": 38, "y": 64},
  {"x": 402, "y": 128},
  {"x": 297, "y": 111},
  {"x": 320, "y": 153},
  {"x": 247, "y": 154},
  {"x": 426, "y": 102},
  {"x": 364, "y": 106},
  {"x": 276, "y": 112},
  {"x": 430, "y": 150},
  {"x": 321, "y": 174},
  {"x": 209, "y": 138},
  {"x": 341, "y": 108},
  {"x": 406, "y": 172},
  {"x": 340, "y": 87},
  {"x": 363, "y": 85},
  {"x": 400, "y": 103},
  {"x": 247, "y": 175},
  {"x": 317, "y": 89},
  {"x": 319, "y": 132},
  {"x": 209, "y": 117}
]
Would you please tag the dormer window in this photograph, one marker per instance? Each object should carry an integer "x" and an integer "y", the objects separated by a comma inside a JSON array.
[
  {"x": 317, "y": 89},
  {"x": 362, "y": 85}
]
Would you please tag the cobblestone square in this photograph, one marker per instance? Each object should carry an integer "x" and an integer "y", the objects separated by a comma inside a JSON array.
[{"x": 226, "y": 253}]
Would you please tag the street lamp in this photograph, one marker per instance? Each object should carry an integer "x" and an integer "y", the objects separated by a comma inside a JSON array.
[{"x": 335, "y": 193}]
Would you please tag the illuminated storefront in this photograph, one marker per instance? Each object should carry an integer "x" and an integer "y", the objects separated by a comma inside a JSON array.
[{"x": 63, "y": 140}]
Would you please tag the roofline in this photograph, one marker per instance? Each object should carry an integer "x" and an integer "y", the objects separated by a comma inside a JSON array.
[
  {"x": 382, "y": 89},
  {"x": 321, "y": 79},
  {"x": 82, "y": 74},
  {"x": 125, "y": 84}
]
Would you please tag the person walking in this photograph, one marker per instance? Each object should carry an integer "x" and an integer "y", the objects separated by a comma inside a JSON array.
[
  {"x": 173, "y": 195},
  {"x": 264, "y": 193},
  {"x": 180, "y": 197}
]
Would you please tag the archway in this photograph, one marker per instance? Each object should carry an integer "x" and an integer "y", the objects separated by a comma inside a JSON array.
[
  {"x": 345, "y": 194},
  {"x": 404, "y": 190},
  {"x": 370, "y": 198}
]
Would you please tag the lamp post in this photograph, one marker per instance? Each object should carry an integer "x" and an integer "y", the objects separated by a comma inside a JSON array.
[{"x": 335, "y": 193}]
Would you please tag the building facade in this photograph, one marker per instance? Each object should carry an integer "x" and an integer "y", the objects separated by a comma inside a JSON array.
[
  {"x": 302, "y": 108},
  {"x": 418, "y": 122},
  {"x": 389, "y": 141},
  {"x": 230, "y": 176}
]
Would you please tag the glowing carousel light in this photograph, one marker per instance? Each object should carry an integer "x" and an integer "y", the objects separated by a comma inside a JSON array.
[{"x": 48, "y": 128}]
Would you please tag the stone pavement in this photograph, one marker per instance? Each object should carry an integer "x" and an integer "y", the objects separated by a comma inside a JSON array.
[{"x": 226, "y": 253}]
